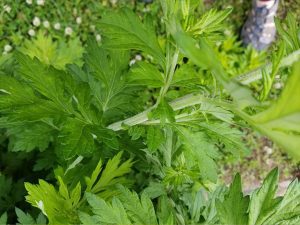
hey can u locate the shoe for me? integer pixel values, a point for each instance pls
(259, 29)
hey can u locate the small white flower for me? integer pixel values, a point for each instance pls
(7, 8)
(36, 21)
(98, 37)
(29, 2)
(68, 31)
(31, 32)
(227, 32)
(46, 24)
(57, 26)
(113, 1)
(92, 27)
(75, 12)
(146, 9)
(78, 20)
(132, 62)
(138, 57)
(40, 2)
(277, 85)
(268, 150)
(269, 162)
(7, 48)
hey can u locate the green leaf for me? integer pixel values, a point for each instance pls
(197, 206)
(165, 215)
(87, 219)
(30, 136)
(125, 31)
(107, 136)
(110, 175)
(186, 76)
(290, 32)
(139, 210)
(53, 53)
(263, 201)
(6, 192)
(155, 138)
(75, 195)
(218, 112)
(76, 138)
(203, 151)
(3, 219)
(155, 190)
(136, 132)
(14, 93)
(268, 79)
(63, 190)
(211, 22)
(57, 208)
(230, 137)
(106, 76)
(44, 79)
(233, 209)
(164, 112)
(24, 218)
(90, 181)
(203, 55)
(106, 213)
(41, 219)
(143, 73)
(281, 121)
(288, 210)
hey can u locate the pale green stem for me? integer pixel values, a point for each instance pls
(170, 74)
(257, 73)
(184, 117)
(195, 99)
(177, 104)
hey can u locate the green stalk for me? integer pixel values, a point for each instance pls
(170, 73)
(256, 74)
(196, 99)
(177, 104)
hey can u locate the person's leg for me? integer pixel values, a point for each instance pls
(259, 29)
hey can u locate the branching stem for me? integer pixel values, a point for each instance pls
(196, 99)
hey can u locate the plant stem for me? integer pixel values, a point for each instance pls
(256, 74)
(177, 104)
(170, 74)
(195, 99)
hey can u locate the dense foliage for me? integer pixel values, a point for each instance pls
(122, 141)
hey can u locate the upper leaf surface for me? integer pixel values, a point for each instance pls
(281, 121)
(203, 55)
(140, 210)
(107, 213)
(107, 70)
(144, 73)
(233, 210)
(126, 31)
(263, 200)
(202, 150)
